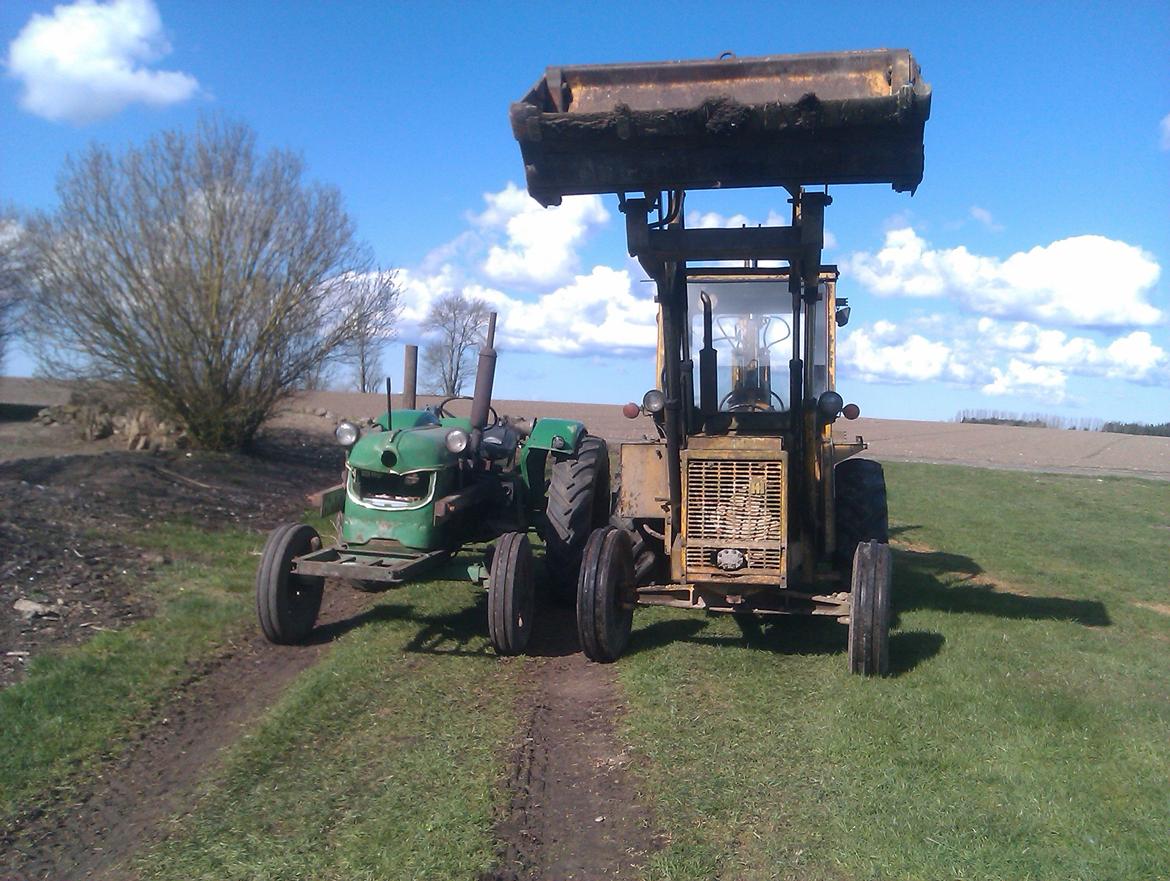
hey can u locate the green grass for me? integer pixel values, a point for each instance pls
(1023, 735)
(77, 705)
(381, 762)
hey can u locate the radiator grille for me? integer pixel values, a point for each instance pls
(735, 503)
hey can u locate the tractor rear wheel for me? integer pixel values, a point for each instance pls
(869, 618)
(605, 609)
(578, 503)
(861, 510)
(286, 603)
(510, 594)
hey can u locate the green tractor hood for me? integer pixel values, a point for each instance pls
(393, 477)
(416, 440)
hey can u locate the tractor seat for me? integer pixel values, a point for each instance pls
(499, 442)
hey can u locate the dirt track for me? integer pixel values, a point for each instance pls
(573, 811)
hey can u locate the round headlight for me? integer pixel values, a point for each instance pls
(456, 440)
(346, 433)
(829, 404)
(654, 401)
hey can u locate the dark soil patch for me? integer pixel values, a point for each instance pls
(574, 812)
(66, 534)
(92, 828)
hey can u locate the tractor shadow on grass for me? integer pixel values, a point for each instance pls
(328, 632)
(928, 579)
(464, 632)
(785, 635)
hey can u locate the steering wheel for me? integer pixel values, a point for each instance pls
(748, 406)
(441, 410)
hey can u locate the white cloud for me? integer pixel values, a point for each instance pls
(882, 354)
(540, 246)
(598, 313)
(522, 259)
(87, 61)
(1164, 132)
(1054, 284)
(997, 357)
(984, 217)
(1021, 378)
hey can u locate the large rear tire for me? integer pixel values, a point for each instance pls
(578, 503)
(510, 594)
(861, 508)
(869, 618)
(287, 604)
(605, 612)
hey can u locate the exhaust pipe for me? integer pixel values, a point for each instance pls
(410, 379)
(708, 364)
(485, 375)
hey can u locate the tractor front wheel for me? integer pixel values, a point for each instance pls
(578, 503)
(286, 603)
(860, 500)
(869, 617)
(605, 608)
(511, 594)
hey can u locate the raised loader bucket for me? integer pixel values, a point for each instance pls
(777, 120)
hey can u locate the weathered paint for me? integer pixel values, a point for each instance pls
(413, 449)
(413, 527)
(407, 419)
(546, 429)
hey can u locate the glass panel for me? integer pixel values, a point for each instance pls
(752, 334)
(820, 366)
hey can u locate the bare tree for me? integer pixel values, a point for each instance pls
(457, 324)
(13, 277)
(380, 300)
(210, 279)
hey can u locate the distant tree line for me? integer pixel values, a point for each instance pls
(1029, 420)
(1161, 430)
(1044, 420)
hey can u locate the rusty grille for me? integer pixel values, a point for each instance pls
(735, 503)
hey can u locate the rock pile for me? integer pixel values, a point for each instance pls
(98, 421)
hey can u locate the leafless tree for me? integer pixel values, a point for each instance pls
(13, 276)
(457, 325)
(380, 300)
(211, 279)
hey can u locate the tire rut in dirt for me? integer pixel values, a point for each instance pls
(92, 827)
(573, 809)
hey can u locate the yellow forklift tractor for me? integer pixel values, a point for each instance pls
(745, 504)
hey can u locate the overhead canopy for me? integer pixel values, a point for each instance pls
(777, 120)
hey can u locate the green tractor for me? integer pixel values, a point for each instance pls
(422, 483)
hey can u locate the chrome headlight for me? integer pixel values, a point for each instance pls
(654, 401)
(347, 433)
(456, 440)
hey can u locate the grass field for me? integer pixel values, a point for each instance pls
(77, 705)
(1022, 735)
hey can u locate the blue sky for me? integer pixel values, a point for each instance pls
(1028, 274)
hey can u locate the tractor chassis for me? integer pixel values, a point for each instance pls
(750, 601)
(388, 567)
